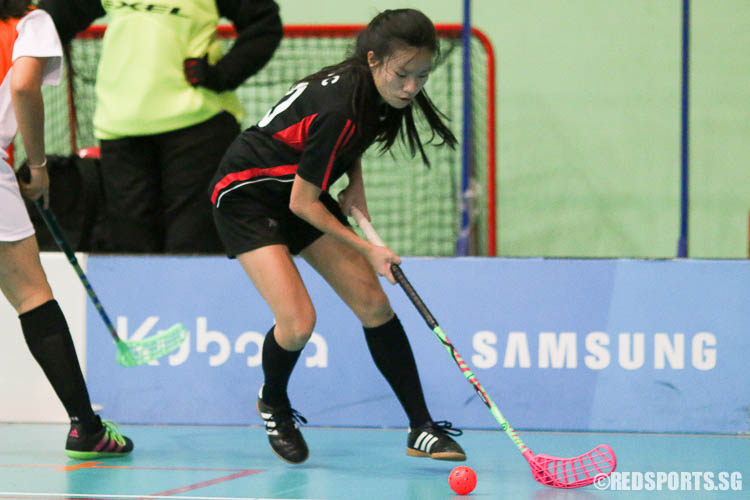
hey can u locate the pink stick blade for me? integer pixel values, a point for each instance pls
(573, 472)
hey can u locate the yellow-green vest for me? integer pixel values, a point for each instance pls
(140, 86)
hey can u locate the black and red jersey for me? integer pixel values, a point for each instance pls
(304, 134)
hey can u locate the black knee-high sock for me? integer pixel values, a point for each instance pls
(393, 356)
(278, 364)
(46, 332)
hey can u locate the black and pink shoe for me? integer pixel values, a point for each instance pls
(107, 442)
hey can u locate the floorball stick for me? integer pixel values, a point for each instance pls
(129, 352)
(556, 472)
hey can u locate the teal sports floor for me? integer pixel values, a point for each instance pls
(235, 463)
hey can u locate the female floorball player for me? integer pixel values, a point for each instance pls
(31, 56)
(271, 201)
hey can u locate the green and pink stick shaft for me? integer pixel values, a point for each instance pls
(551, 471)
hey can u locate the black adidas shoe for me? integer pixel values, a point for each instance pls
(283, 432)
(433, 440)
(107, 442)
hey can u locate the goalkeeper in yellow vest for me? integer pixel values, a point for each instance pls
(165, 109)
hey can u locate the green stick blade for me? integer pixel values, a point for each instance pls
(140, 352)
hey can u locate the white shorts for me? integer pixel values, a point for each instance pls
(15, 223)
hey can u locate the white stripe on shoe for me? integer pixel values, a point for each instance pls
(428, 444)
(270, 423)
(425, 441)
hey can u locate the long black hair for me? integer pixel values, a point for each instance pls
(13, 8)
(387, 32)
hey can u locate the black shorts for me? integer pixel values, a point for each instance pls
(242, 226)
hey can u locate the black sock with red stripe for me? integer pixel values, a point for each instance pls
(390, 348)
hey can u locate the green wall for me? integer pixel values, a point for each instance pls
(588, 95)
(720, 123)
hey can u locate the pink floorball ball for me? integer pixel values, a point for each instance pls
(462, 480)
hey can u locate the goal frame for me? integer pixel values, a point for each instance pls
(227, 31)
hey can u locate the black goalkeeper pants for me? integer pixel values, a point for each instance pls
(156, 188)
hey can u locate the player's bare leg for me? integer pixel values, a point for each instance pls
(354, 280)
(277, 279)
(22, 277)
(46, 332)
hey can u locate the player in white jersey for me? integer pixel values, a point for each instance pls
(30, 56)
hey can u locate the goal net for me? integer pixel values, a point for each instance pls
(417, 210)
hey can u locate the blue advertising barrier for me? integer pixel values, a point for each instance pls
(559, 344)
